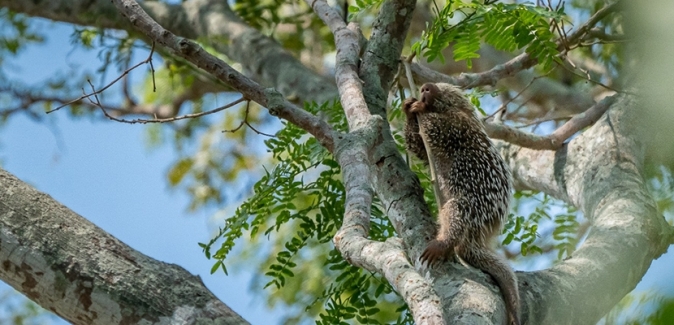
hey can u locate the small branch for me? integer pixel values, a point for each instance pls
(555, 140)
(424, 138)
(472, 80)
(582, 120)
(409, 75)
(245, 122)
(270, 98)
(126, 72)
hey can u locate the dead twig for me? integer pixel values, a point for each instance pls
(125, 73)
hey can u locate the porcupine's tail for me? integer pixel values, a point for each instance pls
(486, 260)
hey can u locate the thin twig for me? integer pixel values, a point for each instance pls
(245, 121)
(505, 105)
(549, 119)
(424, 138)
(170, 119)
(594, 81)
(259, 132)
(126, 72)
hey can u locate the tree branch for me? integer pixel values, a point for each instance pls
(600, 173)
(57, 258)
(274, 101)
(556, 139)
(578, 35)
(471, 80)
(346, 68)
(387, 258)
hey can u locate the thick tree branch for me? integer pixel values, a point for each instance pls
(556, 139)
(600, 173)
(75, 269)
(382, 53)
(388, 258)
(346, 68)
(399, 198)
(274, 101)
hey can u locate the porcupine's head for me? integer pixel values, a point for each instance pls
(441, 97)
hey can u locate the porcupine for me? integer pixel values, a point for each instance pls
(474, 184)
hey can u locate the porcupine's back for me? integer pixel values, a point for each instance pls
(467, 162)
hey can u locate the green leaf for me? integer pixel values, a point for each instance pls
(217, 265)
(179, 170)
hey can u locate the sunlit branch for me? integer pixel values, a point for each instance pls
(557, 138)
(346, 68)
(192, 52)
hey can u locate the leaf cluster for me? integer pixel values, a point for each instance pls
(506, 27)
(362, 6)
(304, 170)
(547, 214)
(15, 32)
(263, 14)
(356, 294)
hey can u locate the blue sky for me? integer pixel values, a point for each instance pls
(103, 171)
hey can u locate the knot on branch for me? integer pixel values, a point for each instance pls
(364, 136)
(187, 47)
(275, 101)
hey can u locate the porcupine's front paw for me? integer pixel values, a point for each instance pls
(407, 105)
(412, 105)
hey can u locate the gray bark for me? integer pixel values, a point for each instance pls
(83, 274)
(599, 172)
